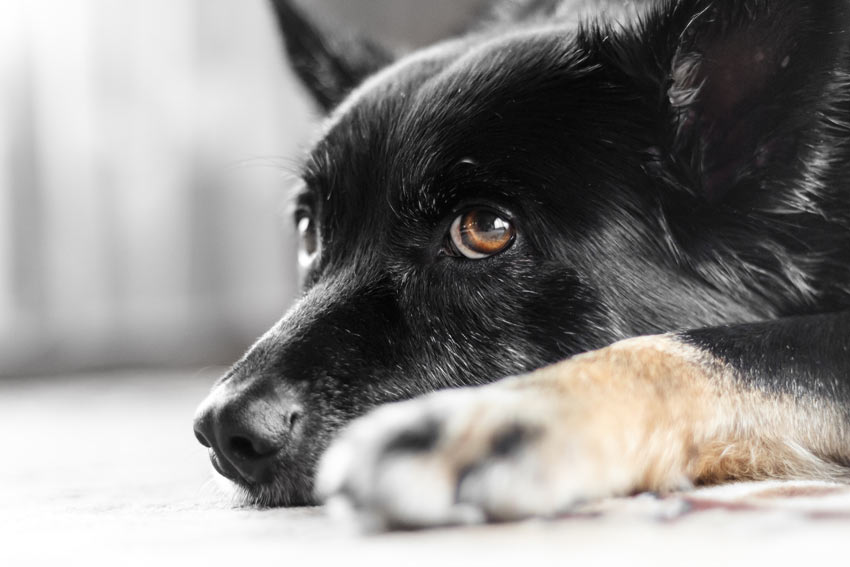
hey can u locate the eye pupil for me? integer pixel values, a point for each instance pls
(481, 233)
(480, 229)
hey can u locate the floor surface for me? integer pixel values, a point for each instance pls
(105, 470)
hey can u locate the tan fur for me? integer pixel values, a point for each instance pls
(645, 414)
(670, 413)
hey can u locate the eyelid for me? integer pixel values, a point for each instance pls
(482, 204)
(304, 207)
(302, 212)
(303, 199)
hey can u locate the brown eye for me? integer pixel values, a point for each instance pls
(308, 239)
(481, 233)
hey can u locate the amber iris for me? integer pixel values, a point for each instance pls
(481, 233)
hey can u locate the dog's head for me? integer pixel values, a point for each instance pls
(530, 190)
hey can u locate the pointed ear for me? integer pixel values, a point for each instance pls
(749, 82)
(329, 66)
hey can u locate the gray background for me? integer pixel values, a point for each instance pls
(144, 146)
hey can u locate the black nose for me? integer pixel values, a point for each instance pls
(246, 430)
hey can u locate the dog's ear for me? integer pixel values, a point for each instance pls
(747, 83)
(329, 65)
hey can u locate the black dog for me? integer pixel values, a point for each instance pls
(562, 177)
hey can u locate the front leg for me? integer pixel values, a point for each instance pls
(646, 414)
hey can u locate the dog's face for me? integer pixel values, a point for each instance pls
(486, 207)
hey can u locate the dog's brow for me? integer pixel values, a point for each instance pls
(304, 196)
(300, 196)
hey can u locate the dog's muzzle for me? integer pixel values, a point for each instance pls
(247, 426)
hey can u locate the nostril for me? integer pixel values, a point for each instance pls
(201, 438)
(245, 449)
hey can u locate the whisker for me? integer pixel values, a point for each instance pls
(289, 167)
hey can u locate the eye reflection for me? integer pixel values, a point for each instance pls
(308, 239)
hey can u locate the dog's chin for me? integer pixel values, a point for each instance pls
(278, 493)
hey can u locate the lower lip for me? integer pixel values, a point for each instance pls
(223, 469)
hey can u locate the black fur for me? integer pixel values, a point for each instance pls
(807, 356)
(668, 165)
(328, 66)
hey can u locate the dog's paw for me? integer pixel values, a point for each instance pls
(599, 425)
(428, 461)
(465, 456)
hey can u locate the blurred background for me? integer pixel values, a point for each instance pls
(143, 151)
(144, 243)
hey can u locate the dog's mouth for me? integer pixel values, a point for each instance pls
(279, 486)
(274, 494)
(224, 468)
(280, 491)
